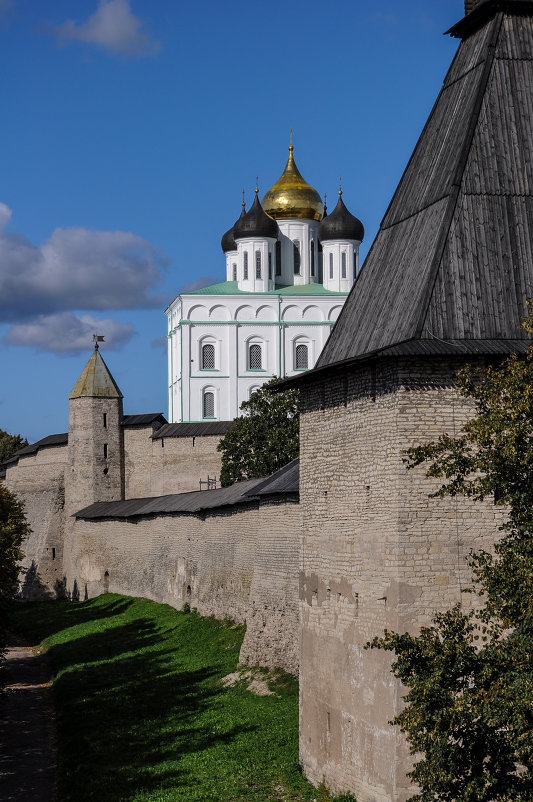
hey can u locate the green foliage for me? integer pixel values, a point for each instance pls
(264, 438)
(469, 708)
(142, 712)
(9, 443)
(13, 528)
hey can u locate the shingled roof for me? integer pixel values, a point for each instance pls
(452, 263)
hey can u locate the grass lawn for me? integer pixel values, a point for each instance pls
(142, 714)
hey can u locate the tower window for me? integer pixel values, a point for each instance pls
(302, 357)
(270, 265)
(343, 264)
(354, 264)
(278, 258)
(105, 450)
(312, 257)
(296, 245)
(331, 265)
(208, 357)
(105, 420)
(254, 358)
(209, 405)
(234, 272)
(258, 264)
(245, 256)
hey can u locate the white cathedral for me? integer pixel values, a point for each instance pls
(289, 269)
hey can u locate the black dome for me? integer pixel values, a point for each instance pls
(255, 223)
(228, 240)
(340, 224)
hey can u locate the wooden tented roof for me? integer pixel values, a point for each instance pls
(453, 259)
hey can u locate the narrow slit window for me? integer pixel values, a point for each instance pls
(209, 405)
(302, 357)
(354, 264)
(278, 258)
(343, 264)
(245, 265)
(234, 272)
(270, 265)
(258, 264)
(297, 260)
(105, 420)
(312, 257)
(208, 357)
(105, 450)
(254, 357)
(331, 265)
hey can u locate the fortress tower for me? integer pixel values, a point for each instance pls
(95, 467)
(445, 283)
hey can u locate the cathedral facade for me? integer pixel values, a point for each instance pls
(289, 269)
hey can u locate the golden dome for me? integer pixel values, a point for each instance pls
(292, 197)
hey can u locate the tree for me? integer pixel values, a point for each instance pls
(13, 529)
(469, 706)
(9, 443)
(264, 438)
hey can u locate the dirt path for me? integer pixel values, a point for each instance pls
(26, 759)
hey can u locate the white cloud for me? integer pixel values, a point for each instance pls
(76, 269)
(113, 27)
(202, 281)
(68, 333)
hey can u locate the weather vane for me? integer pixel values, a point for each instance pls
(97, 338)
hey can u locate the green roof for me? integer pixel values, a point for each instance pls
(232, 288)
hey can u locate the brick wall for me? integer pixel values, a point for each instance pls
(167, 465)
(38, 480)
(237, 562)
(376, 553)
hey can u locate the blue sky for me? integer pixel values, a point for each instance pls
(130, 128)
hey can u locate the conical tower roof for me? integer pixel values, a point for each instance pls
(95, 380)
(451, 267)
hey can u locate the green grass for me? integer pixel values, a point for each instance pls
(142, 714)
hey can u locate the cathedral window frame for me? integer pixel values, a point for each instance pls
(278, 257)
(209, 403)
(245, 265)
(252, 362)
(344, 269)
(330, 265)
(234, 271)
(258, 265)
(312, 259)
(208, 341)
(297, 256)
(296, 344)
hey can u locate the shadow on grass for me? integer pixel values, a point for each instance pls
(129, 704)
(35, 621)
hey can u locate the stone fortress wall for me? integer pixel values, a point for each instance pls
(377, 553)
(236, 561)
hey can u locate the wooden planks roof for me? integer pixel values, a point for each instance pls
(453, 259)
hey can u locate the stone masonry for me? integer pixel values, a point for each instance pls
(376, 553)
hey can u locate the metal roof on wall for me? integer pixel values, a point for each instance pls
(200, 429)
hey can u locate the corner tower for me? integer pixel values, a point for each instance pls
(445, 283)
(95, 469)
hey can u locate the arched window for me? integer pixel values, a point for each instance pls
(312, 257)
(209, 404)
(354, 264)
(343, 264)
(254, 357)
(258, 264)
(245, 257)
(270, 265)
(296, 246)
(331, 265)
(234, 272)
(208, 357)
(278, 258)
(301, 357)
